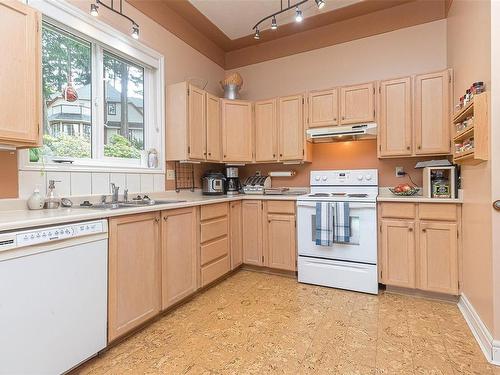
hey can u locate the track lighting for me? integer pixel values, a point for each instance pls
(274, 24)
(257, 34)
(94, 10)
(320, 3)
(298, 15)
(135, 31)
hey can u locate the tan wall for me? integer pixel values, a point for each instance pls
(468, 25)
(407, 51)
(8, 174)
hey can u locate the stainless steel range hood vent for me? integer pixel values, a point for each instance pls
(343, 133)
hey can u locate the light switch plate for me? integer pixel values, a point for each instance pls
(170, 174)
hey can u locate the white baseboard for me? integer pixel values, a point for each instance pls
(490, 347)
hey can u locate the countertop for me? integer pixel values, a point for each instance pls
(384, 195)
(14, 215)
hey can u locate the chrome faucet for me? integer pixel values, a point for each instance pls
(125, 195)
(114, 192)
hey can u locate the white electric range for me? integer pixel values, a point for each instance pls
(348, 265)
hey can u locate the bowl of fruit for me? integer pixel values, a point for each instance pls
(404, 190)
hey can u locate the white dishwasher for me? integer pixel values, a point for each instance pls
(53, 297)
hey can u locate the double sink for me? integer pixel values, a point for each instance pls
(128, 204)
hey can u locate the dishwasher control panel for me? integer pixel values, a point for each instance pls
(48, 234)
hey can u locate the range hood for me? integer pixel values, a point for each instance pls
(343, 133)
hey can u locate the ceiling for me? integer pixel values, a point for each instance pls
(236, 18)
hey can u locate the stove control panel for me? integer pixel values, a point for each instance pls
(355, 177)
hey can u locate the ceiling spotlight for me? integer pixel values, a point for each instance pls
(298, 15)
(135, 31)
(320, 3)
(94, 10)
(274, 24)
(257, 34)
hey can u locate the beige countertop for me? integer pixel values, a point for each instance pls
(384, 195)
(14, 214)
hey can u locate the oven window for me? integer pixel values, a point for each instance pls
(353, 222)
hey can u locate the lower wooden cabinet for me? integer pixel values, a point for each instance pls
(178, 255)
(252, 232)
(235, 234)
(421, 252)
(279, 242)
(134, 283)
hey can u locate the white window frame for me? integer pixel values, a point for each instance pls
(70, 18)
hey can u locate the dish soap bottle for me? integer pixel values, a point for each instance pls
(51, 201)
(36, 201)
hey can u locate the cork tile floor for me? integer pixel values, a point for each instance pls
(255, 323)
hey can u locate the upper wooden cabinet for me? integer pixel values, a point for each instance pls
(291, 128)
(395, 121)
(20, 75)
(266, 131)
(432, 113)
(357, 104)
(323, 108)
(179, 251)
(196, 123)
(237, 132)
(214, 147)
(134, 285)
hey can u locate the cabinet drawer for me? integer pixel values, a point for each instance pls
(280, 207)
(437, 211)
(398, 210)
(213, 229)
(211, 211)
(214, 250)
(215, 270)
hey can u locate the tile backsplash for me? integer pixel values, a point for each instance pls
(87, 183)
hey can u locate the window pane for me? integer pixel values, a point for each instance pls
(67, 79)
(124, 108)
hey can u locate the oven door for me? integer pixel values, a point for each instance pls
(362, 245)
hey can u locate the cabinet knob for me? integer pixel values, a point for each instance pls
(407, 147)
(410, 229)
(419, 147)
(334, 119)
(225, 156)
(165, 218)
(424, 230)
(274, 155)
(281, 155)
(209, 154)
(157, 220)
(496, 205)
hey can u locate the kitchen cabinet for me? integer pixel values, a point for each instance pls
(252, 232)
(134, 284)
(323, 108)
(197, 123)
(291, 128)
(178, 255)
(419, 246)
(432, 113)
(438, 257)
(237, 132)
(236, 233)
(214, 147)
(215, 259)
(280, 250)
(357, 104)
(397, 252)
(395, 121)
(21, 91)
(266, 131)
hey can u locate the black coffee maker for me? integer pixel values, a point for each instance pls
(232, 181)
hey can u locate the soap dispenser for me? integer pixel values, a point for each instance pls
(51, 201)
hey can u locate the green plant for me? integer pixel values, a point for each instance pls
(120, 147)
(66, 145)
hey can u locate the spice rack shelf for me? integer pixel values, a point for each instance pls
(478, 131)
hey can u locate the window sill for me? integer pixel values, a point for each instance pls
(101, 167)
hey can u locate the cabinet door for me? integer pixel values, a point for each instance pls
(237, 131)
(291, 128)
(178, 255)
(279, 242)
(432, 113)
(134, 285)
(266, 131)
(357, 104)
(395, 127)
(20, 74)
(236, 240)
(438, 258)
(197, 123)
(214, 149)
(398, 253)
(252, 232)
(323, 108)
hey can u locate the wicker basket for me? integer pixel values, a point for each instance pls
(408, 193)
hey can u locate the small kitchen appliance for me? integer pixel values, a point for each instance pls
(232, 181)
(256, 184)
(342, 204)
(213, 183)
(439, 182)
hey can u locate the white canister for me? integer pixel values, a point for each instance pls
(36, 200)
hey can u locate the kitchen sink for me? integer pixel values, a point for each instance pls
(128, 204)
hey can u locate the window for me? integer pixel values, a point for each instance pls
(103, 97)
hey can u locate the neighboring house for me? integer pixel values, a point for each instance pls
(75, 118)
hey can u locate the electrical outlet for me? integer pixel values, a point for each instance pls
(258, 173)
(400, 172)
(170, 174)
